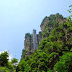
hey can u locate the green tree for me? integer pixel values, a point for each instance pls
(4, 59)
(5, 65)
(4, 69)
(65, 63)
(14, 60)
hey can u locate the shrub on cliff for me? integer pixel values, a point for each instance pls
(65, 63)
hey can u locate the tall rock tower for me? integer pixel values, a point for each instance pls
(35, 42)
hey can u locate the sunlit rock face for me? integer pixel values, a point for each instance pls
(43, 24)
(31, 42)
(27, 42)
(39, 37)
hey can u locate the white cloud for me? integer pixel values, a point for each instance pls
(2, 52)
(10, 57)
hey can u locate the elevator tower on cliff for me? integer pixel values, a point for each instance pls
(35, 42)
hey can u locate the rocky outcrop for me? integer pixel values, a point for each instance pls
(43, 24)
(28, 45)
(27, 42)
(31, 42)
(46, 28)
(39, 37)
(49, 23)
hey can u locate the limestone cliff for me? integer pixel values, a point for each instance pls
(39, 37)
(46, 21)
(55, 45)
(43, 24)
(47, 25)
(31, 42)
(28, 44)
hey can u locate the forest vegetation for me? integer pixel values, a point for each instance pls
(54, 53)
(55, 50)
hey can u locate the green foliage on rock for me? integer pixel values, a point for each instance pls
(14, 60)
(4, 69)
(65, 63)
(55, 50)
(23, 54)
(54, 21)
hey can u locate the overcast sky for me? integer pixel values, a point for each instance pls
(18, 17)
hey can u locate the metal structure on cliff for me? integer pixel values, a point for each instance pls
(35, 42)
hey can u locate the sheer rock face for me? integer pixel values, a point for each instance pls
(27, 43)
(39, 37)
(58, 18)
(43, 24)
(31, 42)
(31, 50)
(62, 20)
